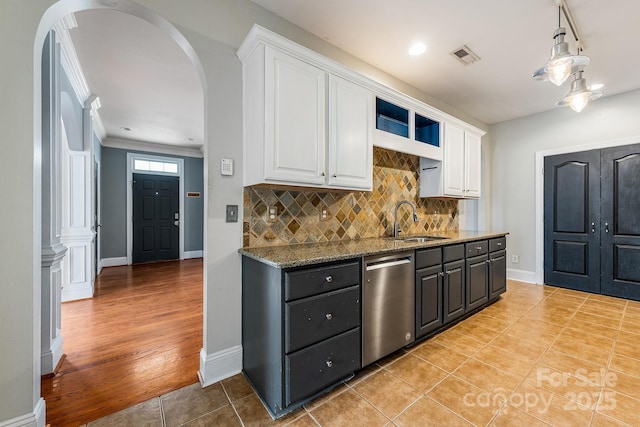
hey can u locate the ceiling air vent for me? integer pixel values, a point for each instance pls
(465, 55)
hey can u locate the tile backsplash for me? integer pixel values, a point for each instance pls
(349, 214)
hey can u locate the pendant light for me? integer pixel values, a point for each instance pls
(579, 95)
(561, 64)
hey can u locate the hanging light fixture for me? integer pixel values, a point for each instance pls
(561, 64)
(579, 95)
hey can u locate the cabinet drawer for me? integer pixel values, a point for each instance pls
(452, 253)
(313, 319)
(476, 248)
(313, 281)
(428, 257)
(497, 244)
(319, 366)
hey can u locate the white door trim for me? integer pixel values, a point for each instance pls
(130, 158)
(539, 184)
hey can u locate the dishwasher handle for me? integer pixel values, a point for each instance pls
(385, 264)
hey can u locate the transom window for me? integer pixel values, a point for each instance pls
(155, 166)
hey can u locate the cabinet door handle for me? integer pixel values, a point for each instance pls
(442, 273)
(334, 175)
(593, 227)
(329, 279)
(329, 363)
(329, 316)
(488, 261)
(322, 174)
(606, 227)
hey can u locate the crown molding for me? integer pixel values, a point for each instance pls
(71, 66)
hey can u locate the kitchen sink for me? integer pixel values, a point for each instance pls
(419, 239)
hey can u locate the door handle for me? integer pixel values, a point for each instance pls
(593, 227)
(606, 227)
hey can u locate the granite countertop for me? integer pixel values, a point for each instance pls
(287, 256)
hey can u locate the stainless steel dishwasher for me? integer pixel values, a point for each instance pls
(388, 304)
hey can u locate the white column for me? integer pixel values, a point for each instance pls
(52, 249)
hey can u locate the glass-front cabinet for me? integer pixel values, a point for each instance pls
(408, 128)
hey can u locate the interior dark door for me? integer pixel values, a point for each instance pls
(155, 218)
(572, 220)
(620, 231)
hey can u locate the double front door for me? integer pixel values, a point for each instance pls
(592, 221)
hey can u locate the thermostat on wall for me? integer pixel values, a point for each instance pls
(226, 166)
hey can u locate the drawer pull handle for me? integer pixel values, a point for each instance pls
(329, 279)
(479, 248)
(329, 363)
(329, 316)
(500, 244)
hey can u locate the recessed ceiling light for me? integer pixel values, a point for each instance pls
(417, 48)
(125, 128)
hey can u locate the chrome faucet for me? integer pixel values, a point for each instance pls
(396, 226)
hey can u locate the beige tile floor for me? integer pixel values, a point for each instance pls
(540, 356)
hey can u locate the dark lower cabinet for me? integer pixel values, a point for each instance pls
(453, 295)
(497, 274)
(300, 330)
(428, 299)
(477, 274)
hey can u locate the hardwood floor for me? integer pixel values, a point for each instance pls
(139, 337)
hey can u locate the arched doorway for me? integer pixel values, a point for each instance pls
(62, 8)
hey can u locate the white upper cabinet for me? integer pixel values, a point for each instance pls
(459, 174)
(294, 136)
(350, 157)
(309, 121)
(304, 124)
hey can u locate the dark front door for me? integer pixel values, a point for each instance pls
(572, 220)
(620, 232)
(155, 218)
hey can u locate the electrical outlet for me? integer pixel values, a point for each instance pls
(515, 259)
(272, 214)
(324, 215)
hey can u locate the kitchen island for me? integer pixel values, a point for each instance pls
(310, 311)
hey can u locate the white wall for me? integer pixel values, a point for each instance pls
(513, 147)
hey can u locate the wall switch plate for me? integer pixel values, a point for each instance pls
(272, 214)
(232, 213)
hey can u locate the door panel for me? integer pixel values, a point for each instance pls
(155, 204)
(571, 220)
(620, 233)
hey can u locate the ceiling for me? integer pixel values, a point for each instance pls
(146, 83)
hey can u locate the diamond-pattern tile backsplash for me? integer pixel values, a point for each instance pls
(350, 214)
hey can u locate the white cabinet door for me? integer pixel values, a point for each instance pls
(453, 164)
(350, 148)
(294, 120)
(472, 160)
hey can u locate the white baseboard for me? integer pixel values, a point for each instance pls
(521, 275)
(113, 262)
(35, 419)
(50, 358)
(76, 291)
(218, 366)
(192, 254)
